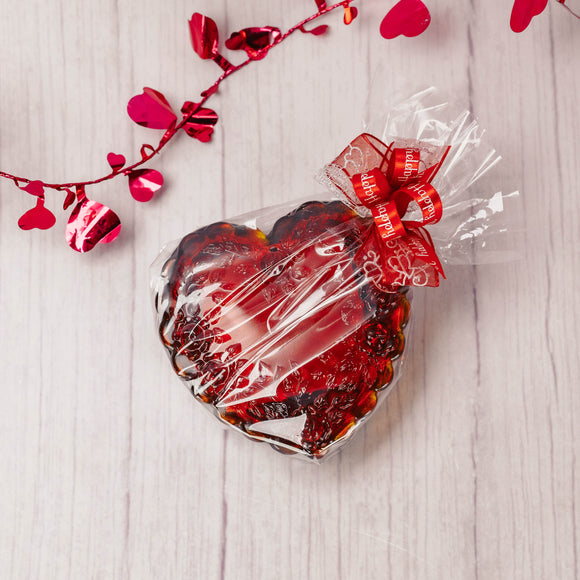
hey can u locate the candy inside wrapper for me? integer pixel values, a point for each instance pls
(290, 324)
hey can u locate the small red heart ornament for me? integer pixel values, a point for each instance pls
(523, 11)
(144, 183)
(38, 217)
(253, 40)
(204, 36)
(350, 13)
(151, 109)
(199, 124)
(116, 162)
(285, 335)
(34, 188)
(407, 18)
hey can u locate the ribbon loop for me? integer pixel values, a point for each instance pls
(371, 187)
(388, 221)
(403, 165)
(426, 197)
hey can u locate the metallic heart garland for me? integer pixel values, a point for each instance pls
(91, 222)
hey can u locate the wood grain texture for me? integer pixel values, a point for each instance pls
(111, 471)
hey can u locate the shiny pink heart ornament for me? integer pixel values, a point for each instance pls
(204, 35)
(91, 223)
(116, 161)
(199, 124)
(37, 217)
(318, 31)
(407, 17)
(144, 183)
(34, 188)
(151, 109)
(523, 11)
(254, 40)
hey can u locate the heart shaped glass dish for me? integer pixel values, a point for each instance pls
(288, 335)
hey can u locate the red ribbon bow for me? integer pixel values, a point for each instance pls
(395, 179)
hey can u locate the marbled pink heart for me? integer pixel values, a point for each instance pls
(91, 223)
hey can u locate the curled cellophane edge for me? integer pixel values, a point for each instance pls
(480, 224)
(278, 323)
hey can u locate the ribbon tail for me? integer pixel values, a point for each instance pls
(424, 248)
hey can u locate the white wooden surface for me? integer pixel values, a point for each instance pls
(110, 470)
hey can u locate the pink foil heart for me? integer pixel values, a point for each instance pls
(116, 161)
(144, 183)
(151, 109)
(69, 199)
(204, 36)
(34, 188)
(199, 125)
(253, 40)
(318, 31)
(407, 17)
(523, 11)
(91, 223)
(37, 217)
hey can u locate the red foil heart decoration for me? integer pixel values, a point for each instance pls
(286, 335)
(199, 124)
(204, 36)
(38, 217)
(116, 162)
(69, 199)
(144, 183)
(151, 109)
(523, 11)
(91, 223)
(34, 188)
(254, 40)
(407, 18)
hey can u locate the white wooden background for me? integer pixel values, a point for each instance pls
(110, 469)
